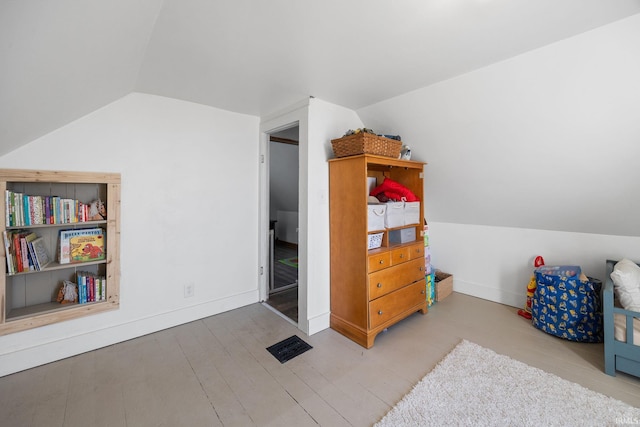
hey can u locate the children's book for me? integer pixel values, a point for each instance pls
(63, 254)
(7, 251)
(83, 244)
(31, 258)
(40, 253)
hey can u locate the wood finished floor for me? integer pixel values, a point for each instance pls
(217, 371)
(284, 298)
(286, 302)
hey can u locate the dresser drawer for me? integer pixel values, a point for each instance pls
(399, 255)
(416, 251)
(388, 280)
(379, 261)
(395, 303)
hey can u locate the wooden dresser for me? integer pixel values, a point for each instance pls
(372, 289)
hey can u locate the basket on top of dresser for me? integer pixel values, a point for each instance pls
(366, 143)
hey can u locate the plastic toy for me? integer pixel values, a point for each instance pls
(531, 288)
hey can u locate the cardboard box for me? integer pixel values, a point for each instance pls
(403, 235)
(444, 285)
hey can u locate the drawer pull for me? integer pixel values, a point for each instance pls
(421, 268)
(381, 261)
(379, 285)
(422, 292)
(401, 255)
(380, 312)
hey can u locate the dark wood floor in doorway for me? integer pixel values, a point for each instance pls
(285, 300)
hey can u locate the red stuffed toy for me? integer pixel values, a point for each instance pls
(391, 190)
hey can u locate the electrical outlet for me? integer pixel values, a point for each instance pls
(189, 290)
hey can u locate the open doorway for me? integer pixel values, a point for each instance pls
(283, 222)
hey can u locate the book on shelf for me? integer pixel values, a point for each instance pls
(81, 245)
(82, 290)
(16, 251)
(20, 253)
(62, 249)
(24, 252)
(40, 253)
(31, 256)
(91, 287)
(7, 251)
(26, 210)
(13, 209)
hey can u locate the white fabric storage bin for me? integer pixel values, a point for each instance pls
(375, 216)
(371, 184)
(394, 216)
(411, 213)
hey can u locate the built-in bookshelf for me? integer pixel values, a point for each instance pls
(42, 211)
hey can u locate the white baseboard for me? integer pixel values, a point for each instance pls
(318, 323)
(70, 346)
(498, 295)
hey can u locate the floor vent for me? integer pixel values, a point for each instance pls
(288, 349)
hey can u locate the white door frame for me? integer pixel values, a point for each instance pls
(296, 115)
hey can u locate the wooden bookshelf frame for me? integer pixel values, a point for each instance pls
(37, 315)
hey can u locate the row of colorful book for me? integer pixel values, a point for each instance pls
(91, 287)
(25, 251)
(23, 210)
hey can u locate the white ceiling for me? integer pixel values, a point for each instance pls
(63, 59)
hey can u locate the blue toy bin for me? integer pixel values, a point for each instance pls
(565, 306)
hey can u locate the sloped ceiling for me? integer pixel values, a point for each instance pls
(63, 59)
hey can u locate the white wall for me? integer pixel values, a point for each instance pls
(283, 189)
(318, 122)
(287, 226)
(536, 155)
(283, 183)
(326, 122)
(495, 263)
(189, 204)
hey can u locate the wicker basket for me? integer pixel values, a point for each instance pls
(366, 143)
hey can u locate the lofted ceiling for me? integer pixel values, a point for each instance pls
(66, 58)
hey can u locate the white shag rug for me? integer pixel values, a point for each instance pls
(475, 386)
